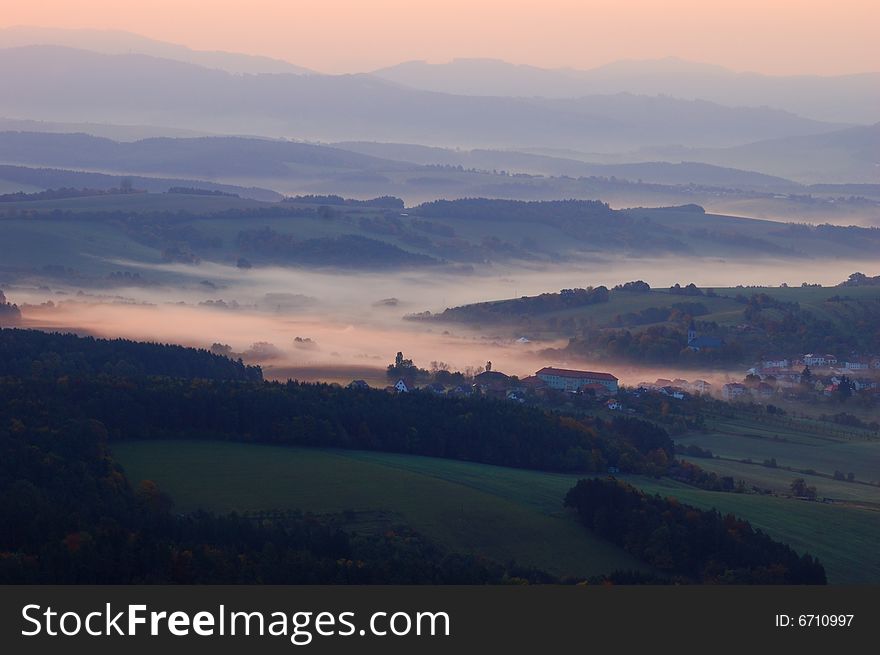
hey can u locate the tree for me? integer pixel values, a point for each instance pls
(844, 389)
(800, 489)
(402, 368)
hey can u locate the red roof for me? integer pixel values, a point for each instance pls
(569, 373)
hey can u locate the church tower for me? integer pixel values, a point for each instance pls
(692, 332)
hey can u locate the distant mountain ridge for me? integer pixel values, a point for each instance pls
(841, 98)
(853, 98)
(61, 84)
(118, 42)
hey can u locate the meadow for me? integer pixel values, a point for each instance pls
(769, 454)
(500, 512)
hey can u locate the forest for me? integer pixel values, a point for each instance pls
(687, 543)
(33, 354)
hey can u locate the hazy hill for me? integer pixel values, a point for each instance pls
(253, 166)
(106, 130)
(519, 162)
(850, 155)
(85, 238)
(118, 42)
(63, 84)
(842, 98)
(28, 179)
(204, 156)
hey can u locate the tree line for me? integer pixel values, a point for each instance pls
(30, 354)
(686, 543)
(69, 516)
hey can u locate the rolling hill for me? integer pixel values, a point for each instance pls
(89, 235)
(504, 513)
(850, 155)
(417, 174)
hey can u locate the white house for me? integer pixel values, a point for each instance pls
(733, 390)
(400, 386)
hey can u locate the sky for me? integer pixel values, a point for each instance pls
(338, 36)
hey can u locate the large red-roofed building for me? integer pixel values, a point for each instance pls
(566, 379)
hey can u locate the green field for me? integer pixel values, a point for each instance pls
(798, 450)
(503, 513)
(722, 308)
(801, 447)
(463, 508)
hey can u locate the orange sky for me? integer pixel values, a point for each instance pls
(771, 36)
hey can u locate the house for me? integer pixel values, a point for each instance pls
(700, 386)
(733, 390)
(788, 375)
(764, 390)
(460, 390)
(595, 389)
(672, 392)
(819, 361)
(775, 362)
(533, 383)
(358, 384)
(400, 386)
(565, 379)
(492, 381)
(613, 405)
(857, 364)
(698, 343)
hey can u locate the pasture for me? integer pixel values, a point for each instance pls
(500, 512)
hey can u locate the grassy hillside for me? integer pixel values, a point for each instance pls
(504, 513)
(721, 308)
(459, 506)
(146, 227)
(742, 448)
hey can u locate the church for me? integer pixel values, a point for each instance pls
(698, 343)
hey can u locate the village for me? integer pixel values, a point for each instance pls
(808, 377)
(809, 374)
(495, 384)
